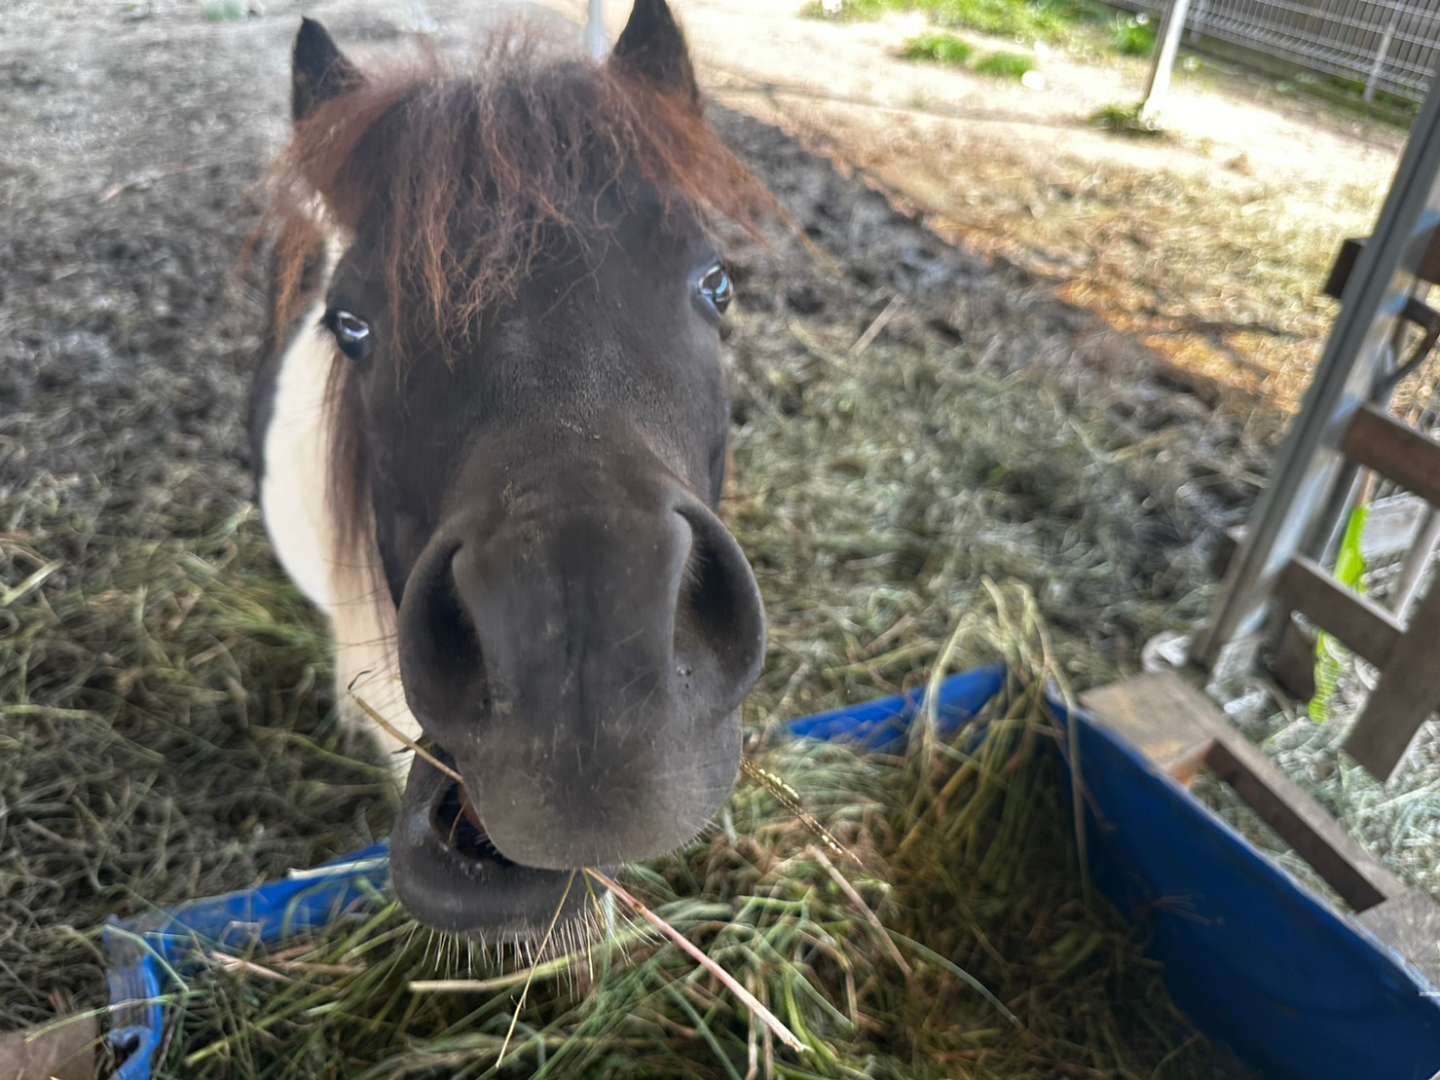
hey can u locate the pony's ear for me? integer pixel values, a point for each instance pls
(652, 48)
(319, 70)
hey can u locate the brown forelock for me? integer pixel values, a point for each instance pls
(460, 177)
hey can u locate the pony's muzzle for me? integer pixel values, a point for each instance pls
(583, 665)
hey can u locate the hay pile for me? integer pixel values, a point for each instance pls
(963, 946)
(164, 733)
(950, 935)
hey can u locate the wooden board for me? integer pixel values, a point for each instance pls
(1177, 713)
(1365, 627)
(1410, 924)
(63, 1051)
(1134, 709)
(1407, 693)
(1378, 441)
(1303, 823)
(1428, 269)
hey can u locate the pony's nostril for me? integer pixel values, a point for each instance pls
(708, 594)
(441, 663)
(452, 631)
(447, 631)
(719, 622)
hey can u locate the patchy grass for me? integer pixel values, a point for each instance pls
(1005, 65)
(849, 10)
(947, 49)
(1133, 35)
(225, 10)
(1354, 89)
(939, 48)
(1126, 120)
(1027, 21)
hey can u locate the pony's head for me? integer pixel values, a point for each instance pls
(530, 421)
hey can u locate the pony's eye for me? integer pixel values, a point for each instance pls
(352, 333)
(715, 286)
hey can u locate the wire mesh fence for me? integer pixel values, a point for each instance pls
(1390, 46)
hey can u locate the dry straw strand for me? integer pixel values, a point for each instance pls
(750, 1001)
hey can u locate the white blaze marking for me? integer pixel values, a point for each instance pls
(346, 586)
(292, 493)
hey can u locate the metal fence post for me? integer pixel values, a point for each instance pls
(1198, 22)
(595, 40)
(1383, 50)
(1172, 25)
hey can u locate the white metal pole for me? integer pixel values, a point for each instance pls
(1172, 25)
(596, 43)
(1201, 9)
(1383, 50)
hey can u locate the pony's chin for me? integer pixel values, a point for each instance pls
(451, 878)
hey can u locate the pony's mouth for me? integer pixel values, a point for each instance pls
(457, 820)
(451, 876)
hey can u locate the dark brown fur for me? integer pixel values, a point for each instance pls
(529, 426)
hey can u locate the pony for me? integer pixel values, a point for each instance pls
(489, 432)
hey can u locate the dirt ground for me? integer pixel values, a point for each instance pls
(1209, 245)
(938, 394)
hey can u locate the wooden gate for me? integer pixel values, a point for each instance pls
(1408, 656)
(1344, 428)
